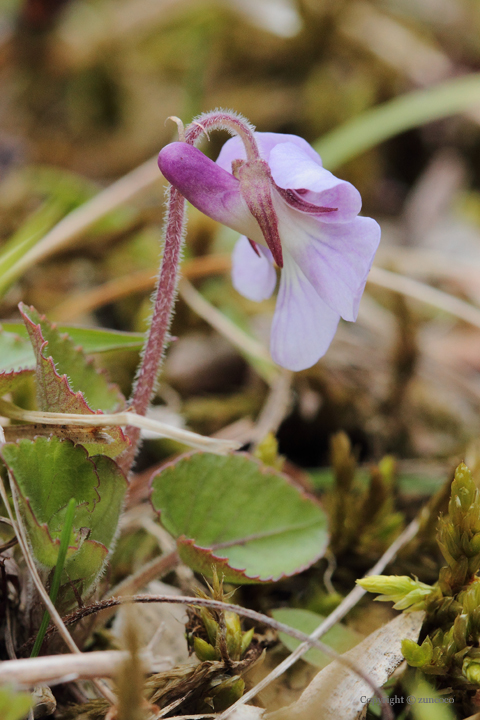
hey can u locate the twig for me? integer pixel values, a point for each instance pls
(122, 419)
(345, 606)
(244, 612)
(48, 668)
(155, 569)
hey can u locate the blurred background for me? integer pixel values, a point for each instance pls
(86, 88)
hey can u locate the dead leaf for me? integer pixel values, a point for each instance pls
(337, 692)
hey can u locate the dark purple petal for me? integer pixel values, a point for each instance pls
(303, 325)
(209, 188)
(293, 169)
(253, 275)
(295, 200)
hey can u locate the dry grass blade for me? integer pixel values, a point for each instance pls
(123, 419)
(276, 407)
(334, 690)
(226, 327)
(83, 217)
(426, 294)
(51, 668)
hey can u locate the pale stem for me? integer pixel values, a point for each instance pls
(66, 668)
(125, 419)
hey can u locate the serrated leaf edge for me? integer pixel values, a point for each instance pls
(77, 348)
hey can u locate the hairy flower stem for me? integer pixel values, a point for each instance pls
(221, 120)
(157, 337)
(166, 289)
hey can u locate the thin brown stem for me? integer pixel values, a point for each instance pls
(243, 612)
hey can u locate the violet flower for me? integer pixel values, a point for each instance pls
(290, 212)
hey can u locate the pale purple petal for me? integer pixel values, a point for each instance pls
(234, 149)
(336, 258)
(292, 168)
(209, 188)
(303, 325)
(253, 276)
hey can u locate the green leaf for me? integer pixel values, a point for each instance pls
(83, 569)
(82, 375)
(248, 520)
(16, 350)
(90, 340)
(10, 381)
(339, 637)
(64, 376)
(14, 705)
(48, 472)
(398, 115)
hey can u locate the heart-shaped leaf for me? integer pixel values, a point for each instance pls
(248, 520)
(56, 392)
(48, 472)
(340, 637)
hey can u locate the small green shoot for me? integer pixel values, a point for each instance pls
(62, 554)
